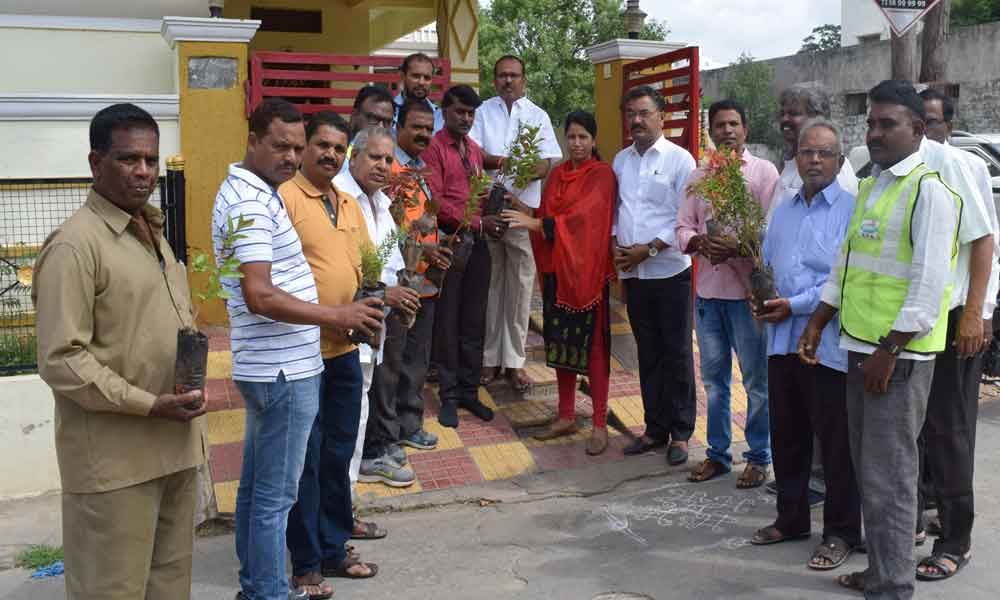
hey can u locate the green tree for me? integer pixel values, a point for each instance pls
(550, 37)
(750, 83)
(824, 37)
(974, 12)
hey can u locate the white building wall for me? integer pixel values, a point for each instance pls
(59, 71)
(861, 18)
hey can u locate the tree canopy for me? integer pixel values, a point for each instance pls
(749, 83)
(550, 37)
(824, 37)
(974, 12)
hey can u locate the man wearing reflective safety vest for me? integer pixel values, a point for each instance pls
(891, 285)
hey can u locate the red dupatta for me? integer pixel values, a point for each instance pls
(581, 203)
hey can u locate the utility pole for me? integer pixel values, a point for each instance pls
(934, 52)
(905, 57)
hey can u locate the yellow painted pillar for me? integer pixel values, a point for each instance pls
(608, 59)
(458, 39)
(211, 73)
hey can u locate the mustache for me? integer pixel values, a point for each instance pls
(329, 161)
(420, 139)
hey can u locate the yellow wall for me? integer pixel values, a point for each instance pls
(345, 29)
(213, 134)
(607, 99)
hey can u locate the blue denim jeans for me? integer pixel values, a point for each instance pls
(321, 520)
(724, 326)
(279, 417)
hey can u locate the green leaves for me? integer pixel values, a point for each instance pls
(373, 258)
(522, 156)
(227, 266)
(749, 82)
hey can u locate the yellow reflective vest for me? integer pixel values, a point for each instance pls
(879, 253)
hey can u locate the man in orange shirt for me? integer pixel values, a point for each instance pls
(331, 227)
(397, 406)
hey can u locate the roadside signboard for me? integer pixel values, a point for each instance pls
(904, 14)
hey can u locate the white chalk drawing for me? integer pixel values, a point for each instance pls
(685, 508)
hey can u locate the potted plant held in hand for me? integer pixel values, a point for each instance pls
(404, 191)
(737, 218)
(373, 259)
(192, 345)
(461, 242)
(517, 170)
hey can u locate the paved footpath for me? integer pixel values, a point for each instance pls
(578, 534)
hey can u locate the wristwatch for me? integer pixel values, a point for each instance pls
(653, 250)
(888, 346)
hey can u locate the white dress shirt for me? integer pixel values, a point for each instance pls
(960, 171)
(650, 189)
(495, 129)
(380, 226)
(932, 228)
(790, 183)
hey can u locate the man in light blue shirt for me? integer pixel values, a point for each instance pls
(415, 75)
(801, 246)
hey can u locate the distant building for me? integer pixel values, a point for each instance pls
(861, 22)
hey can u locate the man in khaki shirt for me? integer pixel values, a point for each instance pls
(110, 297)
(332, 228)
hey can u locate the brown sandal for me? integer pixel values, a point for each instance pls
(598, 441)
(853, 581)
(753, 475)
(557, 430)
(314, 585)
(366, 530)
(518, 380)
(343, 569)
(707, 469)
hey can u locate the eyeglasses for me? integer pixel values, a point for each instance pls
(809, 154)
(642, 114)
(375, 120)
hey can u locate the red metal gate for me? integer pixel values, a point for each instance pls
(315, 82)
(682, 90)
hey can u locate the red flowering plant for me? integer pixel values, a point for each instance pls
(736, 215)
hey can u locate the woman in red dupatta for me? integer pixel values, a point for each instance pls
(570, 236)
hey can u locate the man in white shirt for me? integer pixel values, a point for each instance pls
(891, 287)
(368, 172)
(513, 264)
(655, 274)
(798, 104)
(947, 441)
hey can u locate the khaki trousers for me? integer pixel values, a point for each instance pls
(512, 278)
(131, 543)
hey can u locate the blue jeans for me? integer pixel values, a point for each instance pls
(321, 521)
(724, 326)
(279, 416)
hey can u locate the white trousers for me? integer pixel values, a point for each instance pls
(367, 369)
(512, 278)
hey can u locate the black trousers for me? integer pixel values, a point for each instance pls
(661, 317)
(804, 401)
(459, 327)
(948, 442)
(395, 403)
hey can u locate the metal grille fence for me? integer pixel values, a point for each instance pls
(30, 209)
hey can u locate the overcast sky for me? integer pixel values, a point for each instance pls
(725, 28)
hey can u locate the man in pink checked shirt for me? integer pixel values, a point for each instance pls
(723, 321)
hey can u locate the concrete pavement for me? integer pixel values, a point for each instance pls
(628, 527)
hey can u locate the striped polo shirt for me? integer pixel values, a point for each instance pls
(263, 348)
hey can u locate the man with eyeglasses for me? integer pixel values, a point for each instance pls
(947, 440)
(655, 273)
(373, 107)
(512, 260)
(809, 400)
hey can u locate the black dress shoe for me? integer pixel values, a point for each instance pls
(478, 409)
(448, 415)
(643, 445)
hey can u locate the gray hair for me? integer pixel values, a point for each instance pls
(826, 124)
(813, 99)
(360, 144)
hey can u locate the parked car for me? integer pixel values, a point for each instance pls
(984, 145)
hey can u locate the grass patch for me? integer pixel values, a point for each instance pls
(36, 557)
(17, 353)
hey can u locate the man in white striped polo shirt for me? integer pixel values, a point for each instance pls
(274, 319)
